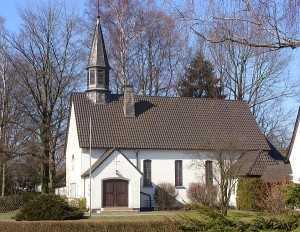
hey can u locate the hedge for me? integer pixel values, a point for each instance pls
(248, 192)
(91, 226)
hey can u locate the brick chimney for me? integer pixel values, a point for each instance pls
(128, 106)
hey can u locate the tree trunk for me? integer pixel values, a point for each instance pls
(3, 178)
(52, 172)
(45, 177)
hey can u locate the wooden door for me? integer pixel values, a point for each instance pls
(115, 193)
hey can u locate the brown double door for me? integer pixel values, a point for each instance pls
(115, 193)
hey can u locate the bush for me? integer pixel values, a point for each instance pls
(248, 191)
(272, 198)
(48, 207)
(79, 203)
(165, 196)
(206, 195)
(211, 220)
(291, 194)
(87, 225)
(286, 223)
(207, 220)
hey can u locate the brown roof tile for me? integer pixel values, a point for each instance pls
(168, 123)
(279, 173)
(254, 163)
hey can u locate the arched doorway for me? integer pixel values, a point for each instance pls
(115, 193)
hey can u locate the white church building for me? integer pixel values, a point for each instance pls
(120, 147)
(294, 151)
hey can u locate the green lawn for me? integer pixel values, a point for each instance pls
(234, 214)
(8, 215)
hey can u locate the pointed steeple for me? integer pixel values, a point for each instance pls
(98, 69)
(98, 56)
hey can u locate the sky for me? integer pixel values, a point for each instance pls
(8, 10)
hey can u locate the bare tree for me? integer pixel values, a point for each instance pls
(218, 165)
(11, 136)
(274, 22)
(160, 54)
(256, 75)
(145, 45)
(47, 61)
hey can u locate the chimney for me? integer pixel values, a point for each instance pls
(128, 106)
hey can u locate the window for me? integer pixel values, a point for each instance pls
(208, 173)
(178, 173)
(72, 190)
(100, 77)
(73, 162)
(92, 76)
(147, 173)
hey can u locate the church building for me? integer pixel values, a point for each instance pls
(120, 147)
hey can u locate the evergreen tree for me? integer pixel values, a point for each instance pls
(200, 80)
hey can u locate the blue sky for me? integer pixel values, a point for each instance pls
(8, 10)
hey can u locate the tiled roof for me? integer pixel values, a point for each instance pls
(254, 163)
(278, 173)
(168, 123)
(98, 56)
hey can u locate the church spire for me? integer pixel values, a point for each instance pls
(98, 56)
(98, 68)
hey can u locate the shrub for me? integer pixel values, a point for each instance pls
(248, 191)
(272, 198)
(207, 220)
(204, 194)
(165, 196)
(87, 225)
(48, 207)
(291, 194)
(79, 203)
(286, 223)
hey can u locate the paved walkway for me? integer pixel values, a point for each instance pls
(143, 213)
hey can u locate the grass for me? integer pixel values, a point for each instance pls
(8, 215)
(245, 216)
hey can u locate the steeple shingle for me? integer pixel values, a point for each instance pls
(98, 56)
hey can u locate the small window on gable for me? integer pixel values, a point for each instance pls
(147, 173)
(92, 76)
(178, 173)
(73, 162)
(208, 173)
(100, 77)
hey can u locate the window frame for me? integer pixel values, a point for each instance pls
(100, 76)
(209, 173)
(147, 177)
(92, 77)
(178, 173)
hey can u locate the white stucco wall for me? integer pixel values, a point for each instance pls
(162, 169)
(73, 160)
(109, 169)
(295, 157)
